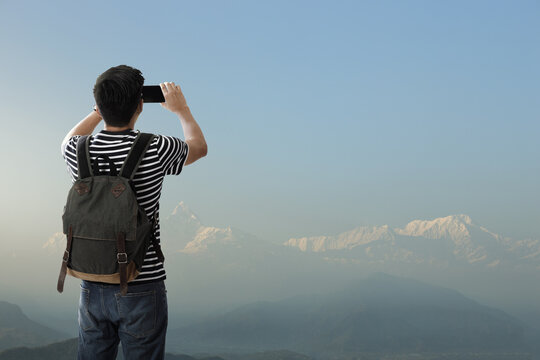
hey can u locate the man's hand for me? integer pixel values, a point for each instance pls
(174, 99)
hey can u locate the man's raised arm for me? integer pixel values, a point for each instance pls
(176, 103)
(85, 127)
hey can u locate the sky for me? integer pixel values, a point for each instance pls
(320, 116)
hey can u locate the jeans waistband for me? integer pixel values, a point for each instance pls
(117, 286)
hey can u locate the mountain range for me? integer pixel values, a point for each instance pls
(441, 242)
(212, 267)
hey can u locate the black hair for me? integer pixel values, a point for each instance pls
(118, 92)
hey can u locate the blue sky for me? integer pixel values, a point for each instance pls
(319, 116)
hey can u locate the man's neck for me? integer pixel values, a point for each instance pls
(129, 126)
(116, 128)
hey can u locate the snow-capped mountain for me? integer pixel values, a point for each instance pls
(182, 225)
(441, 241)
(183, 232)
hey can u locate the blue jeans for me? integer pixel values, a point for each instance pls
(138, 320)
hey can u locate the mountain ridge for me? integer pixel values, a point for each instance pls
(451, 238)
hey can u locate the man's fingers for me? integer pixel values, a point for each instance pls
(173, 86)
(169, 88)
(164, 88)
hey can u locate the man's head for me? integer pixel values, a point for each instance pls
(118, 93)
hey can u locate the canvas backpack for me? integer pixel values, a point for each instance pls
(107, 231)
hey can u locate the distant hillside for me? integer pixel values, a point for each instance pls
(267, 355)
(67, 350)
(16, 329)
(380, 314)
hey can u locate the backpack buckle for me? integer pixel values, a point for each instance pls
(122, 258)
(65, 258)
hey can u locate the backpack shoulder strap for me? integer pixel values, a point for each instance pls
(136, 154)
(83, 157)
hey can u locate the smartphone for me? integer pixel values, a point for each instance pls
(152, 94)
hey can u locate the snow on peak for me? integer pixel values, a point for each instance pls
(183, 211)
(209, 236)
(453, 226)
(359, 236)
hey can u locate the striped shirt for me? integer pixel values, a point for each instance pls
(165, 156)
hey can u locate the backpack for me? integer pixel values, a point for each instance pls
(108, 233)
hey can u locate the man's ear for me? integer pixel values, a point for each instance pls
(97, 110)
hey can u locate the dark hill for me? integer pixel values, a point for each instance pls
(16, 329)
(67, 350)
(379, 314)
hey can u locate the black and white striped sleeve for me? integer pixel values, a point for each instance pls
(173, 153)
(69, 152)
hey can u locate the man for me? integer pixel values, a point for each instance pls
(138, 319)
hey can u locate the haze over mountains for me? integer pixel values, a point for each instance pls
(453, 251)
(381, 315)
(212, 272)
(438, 242)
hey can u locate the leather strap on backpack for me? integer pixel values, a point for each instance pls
(65, 259)
(121, 257)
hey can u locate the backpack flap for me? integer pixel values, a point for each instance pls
(105, 207)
